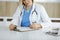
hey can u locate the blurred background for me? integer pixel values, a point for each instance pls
(8, 8)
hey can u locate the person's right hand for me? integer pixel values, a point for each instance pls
(12, 27)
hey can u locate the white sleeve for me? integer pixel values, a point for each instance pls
(16, 17)
(45, 18)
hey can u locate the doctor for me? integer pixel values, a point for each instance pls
(32, 15)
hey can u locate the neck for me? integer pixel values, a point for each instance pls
(28, 7)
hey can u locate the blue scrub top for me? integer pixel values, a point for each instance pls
(25, 19)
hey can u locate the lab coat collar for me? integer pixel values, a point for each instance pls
(32, 8)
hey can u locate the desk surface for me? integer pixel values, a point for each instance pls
(6, 34)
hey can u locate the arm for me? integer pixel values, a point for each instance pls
(44, 18)
(14, 22)
(46, 21)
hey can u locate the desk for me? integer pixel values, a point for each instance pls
(6, 34)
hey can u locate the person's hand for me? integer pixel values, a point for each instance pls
(35, 26)
(12, 27)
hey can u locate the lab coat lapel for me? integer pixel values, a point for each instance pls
(31, 14)
(21, 14)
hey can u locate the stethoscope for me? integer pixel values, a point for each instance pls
(32, 12)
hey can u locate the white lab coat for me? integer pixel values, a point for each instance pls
(42, 17)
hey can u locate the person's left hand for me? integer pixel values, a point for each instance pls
(35, 26)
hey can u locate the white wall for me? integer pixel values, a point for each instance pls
(47, 0)
(10, 0)
(36, 0)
